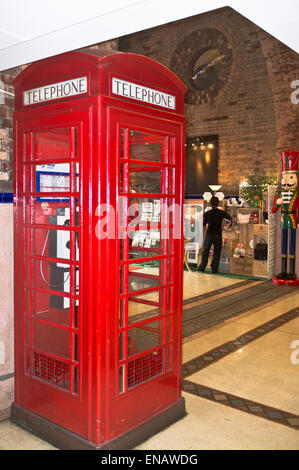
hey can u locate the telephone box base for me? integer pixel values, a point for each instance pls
(285, 282)
(66, 440)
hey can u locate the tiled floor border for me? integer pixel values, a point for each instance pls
(213, 293)
(257, 409)
(242, 404)
(218, 353)
(204, 315)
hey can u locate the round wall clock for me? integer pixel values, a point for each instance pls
(204, 61)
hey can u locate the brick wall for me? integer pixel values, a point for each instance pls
(283, 69)
(250, 110)
(6, 128)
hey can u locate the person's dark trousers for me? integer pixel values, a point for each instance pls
(210, 240)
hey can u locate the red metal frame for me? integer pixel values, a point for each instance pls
(89, 367)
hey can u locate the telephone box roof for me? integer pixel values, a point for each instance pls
(100, 66)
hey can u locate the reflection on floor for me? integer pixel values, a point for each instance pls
(241, 379)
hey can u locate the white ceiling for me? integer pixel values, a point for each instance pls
(34, 29)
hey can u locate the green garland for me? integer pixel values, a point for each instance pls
(257, 185)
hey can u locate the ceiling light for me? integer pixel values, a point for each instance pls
(215, 187)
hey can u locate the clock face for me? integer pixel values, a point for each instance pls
(204, 61)
(206, 69)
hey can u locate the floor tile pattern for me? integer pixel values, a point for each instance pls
(200, 362)
(202, 317)
(213, 293)
(242, 404)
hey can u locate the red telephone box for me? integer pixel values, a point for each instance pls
(99, 165)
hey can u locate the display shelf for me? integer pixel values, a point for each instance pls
(260, 234)
(242, 266)
(246, 232)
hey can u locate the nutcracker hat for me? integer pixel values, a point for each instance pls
(290, 160)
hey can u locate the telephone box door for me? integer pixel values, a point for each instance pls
(145, 354)
(51, 335)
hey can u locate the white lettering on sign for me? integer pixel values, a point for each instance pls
(76, 86)
(142, 93)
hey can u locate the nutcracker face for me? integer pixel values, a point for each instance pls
(289, 180)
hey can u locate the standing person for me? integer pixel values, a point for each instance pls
(214, 219)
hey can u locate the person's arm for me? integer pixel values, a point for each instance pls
(205, 219)
(227, 216)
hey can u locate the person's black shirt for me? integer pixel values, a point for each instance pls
(214, 218)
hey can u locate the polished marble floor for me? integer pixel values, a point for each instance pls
(264, 371)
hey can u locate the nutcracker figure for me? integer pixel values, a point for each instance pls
(288, 200)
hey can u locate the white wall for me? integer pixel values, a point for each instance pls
(29, 31)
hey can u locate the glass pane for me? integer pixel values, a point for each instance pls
(144, 210)
(135, 254)
(51, 178)
(76, 212)
(51, 340)
(48, 242)
(122, 313)
(50, 275)
(51, 144)
(74, 305)
(75, 380)
(144, 306)
(121, 342)
(142, 242)
(145, 337)
(75, 347)
(143, 179)
(146, 147)
(47, 213)
(144, 276)
(52, 308)
(145, 313)
(27, 362)
(121, 379)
